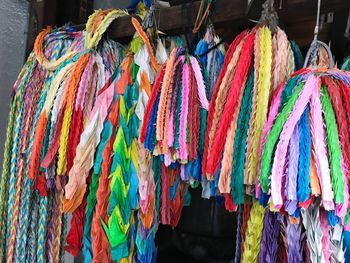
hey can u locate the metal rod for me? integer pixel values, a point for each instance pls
(317, 27)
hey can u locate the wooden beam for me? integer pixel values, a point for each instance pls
(229, 14)
(176, 18)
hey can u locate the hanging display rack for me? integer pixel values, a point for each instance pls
(223, 11)
(223, 14)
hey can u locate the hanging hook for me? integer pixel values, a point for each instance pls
(313, 51)
(269, 15)
(149, 21)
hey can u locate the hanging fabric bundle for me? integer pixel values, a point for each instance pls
(53, 96)
(255, 65)
(112, 130)
(133, 221)
(303, 164)
(304, 156)
(148, 181)
(256, 62)
(19, 204)
(173, 128)
(96, 26)
(211, 52)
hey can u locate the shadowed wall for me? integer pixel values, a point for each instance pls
(13, 37)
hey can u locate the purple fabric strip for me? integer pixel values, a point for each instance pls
(292, 172)
(183, 173)
(294, 239)
(342, 76)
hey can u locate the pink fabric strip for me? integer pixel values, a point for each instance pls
(274, 106)
(184, 112)
(83, 160)
(200, 83)
(282, 146)
(171, 128)
(319, 148)
(103, 101)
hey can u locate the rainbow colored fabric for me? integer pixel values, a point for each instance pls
(116, 136)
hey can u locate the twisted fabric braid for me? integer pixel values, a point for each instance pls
(30, 107)
(59, 198)
(22, 233)
(93, 38)
(253, 234)
(63, 236)
(263, 93)
(33, 230)
(16, 116)
(11, 198)
(40, 56)
(257, 49)
(72, 86)
(240, 75)
(212, 105)
(40, 253)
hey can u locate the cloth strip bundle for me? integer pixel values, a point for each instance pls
(122, 226)
(256, 62)
(23, 211)
(173, 129)
(211, 55)
(91, 109)
(53, 97)
(81, 87)
(304, 160)
(115, 137)
(121, 217)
